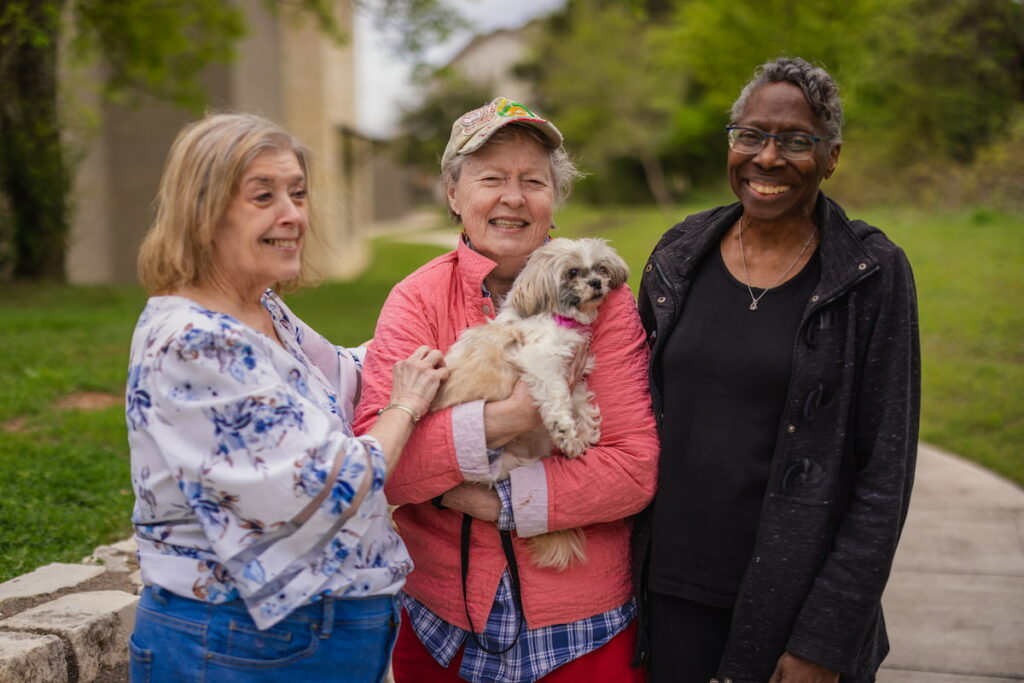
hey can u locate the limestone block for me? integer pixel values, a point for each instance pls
(111, 559)
(128, 546)
(117, 557)
(94, 625)
(29, 658)
(47, 579)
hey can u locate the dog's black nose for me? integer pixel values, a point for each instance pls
(595, 283)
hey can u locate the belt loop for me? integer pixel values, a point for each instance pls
(328, 615)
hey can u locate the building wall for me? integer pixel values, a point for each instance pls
(489, 60)
(287, 72)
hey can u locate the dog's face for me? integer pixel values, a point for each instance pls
(568, 277)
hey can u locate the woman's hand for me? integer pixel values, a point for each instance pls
(793, 669)
(476, 500)
(416, 379)
(506, 419)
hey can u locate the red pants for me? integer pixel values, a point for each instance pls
(412, 663)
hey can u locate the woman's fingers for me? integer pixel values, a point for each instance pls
(431, 357)
(417, 378)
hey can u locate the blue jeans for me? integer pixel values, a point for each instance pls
(179, 639)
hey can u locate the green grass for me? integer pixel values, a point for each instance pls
(969, 269)
(64, 481)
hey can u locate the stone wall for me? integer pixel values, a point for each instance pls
(70, 622)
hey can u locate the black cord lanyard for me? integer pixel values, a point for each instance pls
(513, 569)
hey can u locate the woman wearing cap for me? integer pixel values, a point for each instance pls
(504, 170)
(263, 532)
(786, 381)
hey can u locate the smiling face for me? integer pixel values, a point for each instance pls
(259, 240)
(505, 196)
(769, 187)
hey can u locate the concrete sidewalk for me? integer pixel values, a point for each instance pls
(954, 605)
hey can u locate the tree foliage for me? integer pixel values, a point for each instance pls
(33, 174)
(427, 127)
(607, 91)
(152, 47)
(940, 77)
(935, 80)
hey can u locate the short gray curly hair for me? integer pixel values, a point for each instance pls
(818, 87)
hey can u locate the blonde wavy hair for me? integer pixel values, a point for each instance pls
(201, 176)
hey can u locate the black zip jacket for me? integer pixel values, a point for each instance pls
(843, 465)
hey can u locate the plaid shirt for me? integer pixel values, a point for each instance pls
(536, 653)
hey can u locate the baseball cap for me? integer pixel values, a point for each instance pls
(474, 128)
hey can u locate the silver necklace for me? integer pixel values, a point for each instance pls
(746, 276)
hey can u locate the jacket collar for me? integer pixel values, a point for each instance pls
(844, 259)
(473, 267)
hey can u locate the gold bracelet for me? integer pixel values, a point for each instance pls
(402, 406)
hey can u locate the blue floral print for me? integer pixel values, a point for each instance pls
(137, 401)
(232, 436)
(220, 344)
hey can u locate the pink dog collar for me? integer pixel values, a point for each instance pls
(570, 323)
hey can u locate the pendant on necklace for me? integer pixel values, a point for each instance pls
(753, 305)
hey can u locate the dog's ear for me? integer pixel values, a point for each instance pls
(604, 255)
(535, 290)
(616, 267)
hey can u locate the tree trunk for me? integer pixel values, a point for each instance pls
(656, 179)
(33, 174)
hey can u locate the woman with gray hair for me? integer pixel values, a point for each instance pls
(785, 375)
(478, 608)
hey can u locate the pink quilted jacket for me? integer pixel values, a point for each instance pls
(597, 491)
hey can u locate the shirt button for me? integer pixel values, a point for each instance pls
(654, 334)
(661, 299)
(486, 309)
(648, 268)
(791, 428)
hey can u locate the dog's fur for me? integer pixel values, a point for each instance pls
(568, 278)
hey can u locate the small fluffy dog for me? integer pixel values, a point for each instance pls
(544, 324)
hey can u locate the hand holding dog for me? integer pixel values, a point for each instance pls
(506, 419)
(416, 379)
(475, 500)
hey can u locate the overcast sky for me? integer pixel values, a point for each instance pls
(383, 82)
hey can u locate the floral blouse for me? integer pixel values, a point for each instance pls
(231, 437)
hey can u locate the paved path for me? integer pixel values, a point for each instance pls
(955, 601)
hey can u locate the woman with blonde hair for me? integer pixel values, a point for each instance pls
(264, 537)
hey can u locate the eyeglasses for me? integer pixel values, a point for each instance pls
(792, 146)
